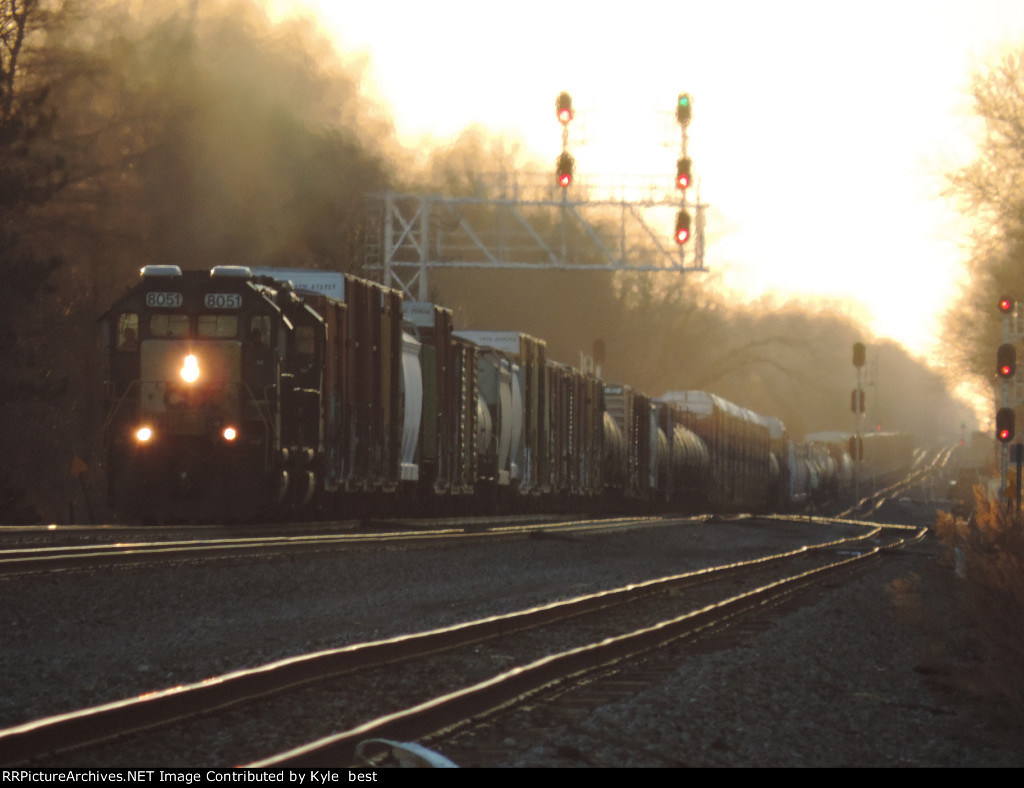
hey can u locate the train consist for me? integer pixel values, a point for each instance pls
(237, 394)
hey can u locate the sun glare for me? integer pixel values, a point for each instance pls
(810, 193)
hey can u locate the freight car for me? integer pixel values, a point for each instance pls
(237, 393)
(885, 457)
(744, 473)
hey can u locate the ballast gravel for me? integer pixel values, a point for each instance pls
(880, 669)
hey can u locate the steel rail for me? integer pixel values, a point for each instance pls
(512, 687)
(59, 558)
(872, 503)
(106, 721)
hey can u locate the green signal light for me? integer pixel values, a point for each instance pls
(684, 108)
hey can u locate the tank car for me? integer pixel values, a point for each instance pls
(739, 449)
(544, 436)
(446, 446)
(689, 463)
(886, 457)
(791, 487)
(654, 459)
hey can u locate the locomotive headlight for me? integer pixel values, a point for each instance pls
(143, 434)
(230, 433)
(190, 370)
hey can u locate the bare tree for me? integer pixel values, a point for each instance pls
(990, 190)
(29, 173)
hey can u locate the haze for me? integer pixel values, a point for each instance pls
(200, 134)
(820, 134)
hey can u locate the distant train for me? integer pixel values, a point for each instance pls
(237, 394)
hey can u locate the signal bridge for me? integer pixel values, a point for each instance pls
(526, 221)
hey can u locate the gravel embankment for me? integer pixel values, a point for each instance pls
(80, 638)
(882, 670)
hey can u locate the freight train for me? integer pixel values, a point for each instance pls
(238, 393)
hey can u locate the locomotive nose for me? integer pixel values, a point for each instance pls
(185, 482)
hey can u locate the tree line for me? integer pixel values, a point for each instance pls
(206, 134)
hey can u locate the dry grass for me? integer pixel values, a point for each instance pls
(987, 551)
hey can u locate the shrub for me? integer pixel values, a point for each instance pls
(988, 554)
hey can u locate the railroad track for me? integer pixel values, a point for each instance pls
(334, 689)
(925, 466)
(59, 558)
(62, 557)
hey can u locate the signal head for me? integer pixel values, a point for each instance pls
(682, 227)
(565, 167)
(1005, 305)
(684, 173)
(859, 354)
(1006, 361)
(563, 108)
(684, 109)
(1005, 425)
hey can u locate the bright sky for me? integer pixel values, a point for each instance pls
(820, 130)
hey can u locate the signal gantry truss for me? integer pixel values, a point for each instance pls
(515, 227)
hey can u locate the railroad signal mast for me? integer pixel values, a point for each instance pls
(565, 165)
(857, 406)
(684, 171)
(690, 222)
(1010, 395)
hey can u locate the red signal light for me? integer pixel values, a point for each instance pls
(563, 108)
(684, 173)
(1005, 305)
(1005, 424)
(565, 166)
(682, 227)
(1006, 361)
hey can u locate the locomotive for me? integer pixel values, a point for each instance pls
(239, 393)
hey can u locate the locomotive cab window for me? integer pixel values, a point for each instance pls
(168, 326)
(128, 332)
(218, 326)
(305, 340)
(259, 331)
